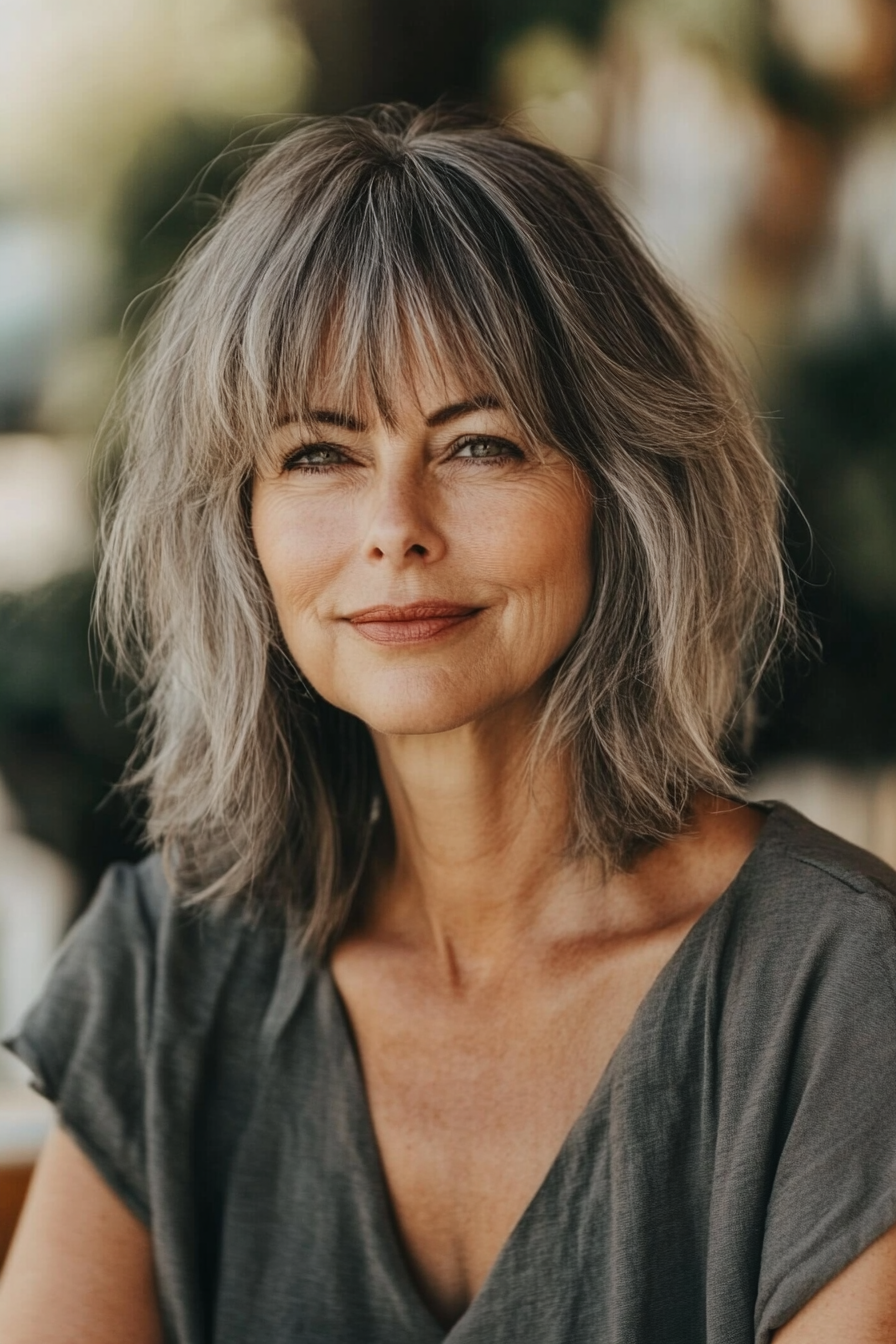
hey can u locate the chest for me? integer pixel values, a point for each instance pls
(472, 1099)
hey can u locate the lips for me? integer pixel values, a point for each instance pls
(411, 624)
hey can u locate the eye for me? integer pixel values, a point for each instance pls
(486, 448)
(314, 457)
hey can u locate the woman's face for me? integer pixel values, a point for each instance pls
(428, 572)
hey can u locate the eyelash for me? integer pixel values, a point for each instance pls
(510, 450)
(298, 460)
(295, 461)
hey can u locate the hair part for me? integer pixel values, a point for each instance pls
(403, 235)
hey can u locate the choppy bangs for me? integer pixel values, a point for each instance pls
(356, 251)
(411, 270)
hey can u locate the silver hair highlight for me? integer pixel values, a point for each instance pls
(354, 244)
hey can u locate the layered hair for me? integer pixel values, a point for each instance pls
(354, 245)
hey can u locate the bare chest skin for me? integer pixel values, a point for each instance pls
(472, 1094)
(473, 1085)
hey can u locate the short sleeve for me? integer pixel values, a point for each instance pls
(87, 1038)
(834, 1187)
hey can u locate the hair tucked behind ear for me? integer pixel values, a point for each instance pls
(398, 234)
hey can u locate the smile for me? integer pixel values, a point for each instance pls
(412, 624)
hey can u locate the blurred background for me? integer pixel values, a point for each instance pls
(752, 141)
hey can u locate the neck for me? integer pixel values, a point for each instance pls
(479, 859)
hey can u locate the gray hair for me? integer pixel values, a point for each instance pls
(403, 233)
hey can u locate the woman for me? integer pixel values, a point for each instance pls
(464, 997)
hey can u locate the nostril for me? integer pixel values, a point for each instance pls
(417, 549)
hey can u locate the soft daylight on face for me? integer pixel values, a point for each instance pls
(425, 573)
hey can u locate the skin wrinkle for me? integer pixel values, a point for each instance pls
(385, 498)
(555, 800)
(357, 252)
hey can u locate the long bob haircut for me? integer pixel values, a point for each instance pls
(390, 237)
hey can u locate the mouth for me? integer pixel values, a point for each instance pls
(411, 624)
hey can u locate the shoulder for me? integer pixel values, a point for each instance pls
(143, 969)
(805, 895)
(794, 964)
(149, 997)
(129, 909)
(799, 973)
(795, 841)
(135, 915)
(808, 1036)
(794, 959)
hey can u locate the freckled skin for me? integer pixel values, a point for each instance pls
(402, 517)
(491, 976)
(488, 964)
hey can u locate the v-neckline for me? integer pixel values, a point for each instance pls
(392, 1245)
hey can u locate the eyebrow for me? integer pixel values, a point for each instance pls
(459, 408)
(336, 418)
(443, 416)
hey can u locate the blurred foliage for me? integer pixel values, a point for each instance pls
(62, 748)
(797, 93)
(583, 18)
(836, 432)
(417, 53)
(834, 415)
(370, 51)
(172, 190)
(841, 396)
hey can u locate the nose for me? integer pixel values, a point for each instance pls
(402, 528)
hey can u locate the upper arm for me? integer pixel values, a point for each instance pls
(827, 1089)
(858, 1305)
(80, 1266)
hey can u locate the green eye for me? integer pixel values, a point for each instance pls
(316, 455)
(481, 447)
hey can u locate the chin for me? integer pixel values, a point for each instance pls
(414, 720)
(416, 705)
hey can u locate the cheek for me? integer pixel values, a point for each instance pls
(540, 547)
(300, 551)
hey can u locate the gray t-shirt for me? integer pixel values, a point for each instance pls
(738, 1152)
